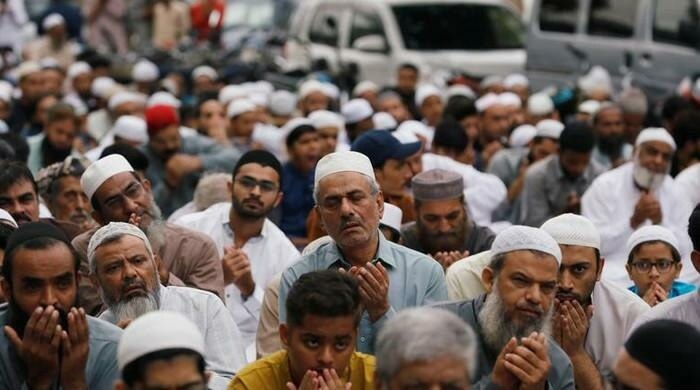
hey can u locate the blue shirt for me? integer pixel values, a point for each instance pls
(298, 200)
(414, 280)
(677, 289)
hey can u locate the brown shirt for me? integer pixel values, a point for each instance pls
(190, 256)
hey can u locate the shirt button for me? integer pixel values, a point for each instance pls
(362, 339)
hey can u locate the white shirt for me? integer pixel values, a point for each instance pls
(688, 184)
(685, 308)
(609, 203)
(483, 192)
(224, 352)
(464, 277)
(269, 253)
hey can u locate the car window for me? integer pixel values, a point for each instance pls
(559, 15)
(472, 27)
(676, 22)
(612, 18)
(365, 23)
(325, 26)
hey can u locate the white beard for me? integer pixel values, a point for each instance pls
(646, 178)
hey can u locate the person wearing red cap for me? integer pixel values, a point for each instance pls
(176, 162)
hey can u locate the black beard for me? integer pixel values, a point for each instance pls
(611, 146)
(17, 319)
(240, 209)
(53, 154)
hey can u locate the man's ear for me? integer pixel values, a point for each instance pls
(6, 289)
(279, 198)
(284, 335)
(380, 203)
(97, 217)
(229, 187)
(487, 278)
(695, 258)
(600, 268)
(146, 184)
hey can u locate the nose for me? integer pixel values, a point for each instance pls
(565, 281)
(346, 207)
(325, 356)
(444, 225)
(130, 205)
(48, 297)
(654, 272)
(81, 203)
(534, 294)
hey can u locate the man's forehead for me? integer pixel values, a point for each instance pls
(258, 172)
(534, 265)
(49, 262)
(22, 186)
(125, 246)
(575, 254)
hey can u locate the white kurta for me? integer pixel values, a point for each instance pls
(609, 203)
(269, 254)
(685, 308)
(688, 184)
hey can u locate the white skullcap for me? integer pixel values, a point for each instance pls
(356, 110)
(331, 91)
(572, 229)
(157, 331)
(517, 237)
(4, 128)
(365, 86)
(540, 104)
(131, 128)
(597, 79)
(78, 68)
(589, 107)
(258, 98)
(6, 91)
(514, 80)
(487, 101)
(384, 121)
(53, 20)
(651, 233)
(522, 135)
(145, 71)
(425, 91)
(79, 106)
(392, 216)
(101, 86)
(262, 86)
(240, 106)
(655, 134)
(48, 63)
(310, 86)
(7, 219)
(113, 230)
(549, 128)
(205, 71)
(282, 103)
(101, 170)
(26, 68)
(510, 99)
(293, 124)
(460, 90)
(408, 131)
(230, 93)
(490, 81)
(325, 118)
(162, 98)
(347, 161)
(122, 97)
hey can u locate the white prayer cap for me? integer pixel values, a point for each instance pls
(515, 79)
(540, 104)
(407, 131)
(522, 135)
(78, 68)
(230, 93)
(490, 81)
(6, 91)
(392, 216)
(572, 229)
(324, 118)
(425, 91)
(7, 219)
(356, 110)
(365, 86)
(655, 134)
(384, 121)
(510, 99)
(122, 97)
(487, 101)
(27, 68)
(131, 128)
(101, 170)
(549, 128)
(205, 71)
(517, 237)
(310, 86)
(258, 98)
(597, 79)
(101, 86)
(263, 86)
(240, 106)
(79, 107)
(347, 161)
(145, 71)
(53, 20)
(113, 230)
(331, 91)
(282, 103)
(157, 331)
(293, 124)
(589, 107)
(651, 233)
(460, 90)
(4, 128)
(164, 99)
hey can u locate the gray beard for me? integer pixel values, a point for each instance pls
(135, 307)
(155, 231)
(498, 327)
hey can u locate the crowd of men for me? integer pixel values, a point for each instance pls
(415, 235)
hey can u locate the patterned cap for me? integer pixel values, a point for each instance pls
(437, 184)
(71, 166)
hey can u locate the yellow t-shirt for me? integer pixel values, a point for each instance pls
(272, 372)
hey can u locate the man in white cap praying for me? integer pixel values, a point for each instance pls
(636, 194)
(512, 318)
(612, 149)
(124, 269)
(350, 204)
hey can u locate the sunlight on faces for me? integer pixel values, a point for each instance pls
(21, 201)
(578, 273)
(255, 202)
(445, 372)
(653, 252)
(441, 224)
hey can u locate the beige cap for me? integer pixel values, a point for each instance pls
(437, 184)
(347, 161)
(101, 170)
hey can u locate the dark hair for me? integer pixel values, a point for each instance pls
(450, 135)
(297, 132)
(5, 231)
(673, 106)
(260, 157)
(60, 111)
(135, 157)
(13, 172)
(203, 98)
(675, 256)
(327, 293)
(18, 144)
(35, 244)
(459, 107)
(409, 66)
(6, 151)
(134, 371)
(606, 107)
(577, 137)
(686, 129)
(694, 227)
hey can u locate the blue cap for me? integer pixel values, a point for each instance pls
(380, 145)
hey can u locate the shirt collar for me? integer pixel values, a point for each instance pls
(229, 232)
(333, 257)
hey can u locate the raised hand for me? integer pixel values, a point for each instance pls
(74, 350)
(237, 270)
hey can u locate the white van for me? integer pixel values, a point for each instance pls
(479, 37)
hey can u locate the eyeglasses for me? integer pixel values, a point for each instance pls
(662, 266)
(250, 184)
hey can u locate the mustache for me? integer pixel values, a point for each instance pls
(530, 307)
(135, 282)
(21, 217)
(346, 221)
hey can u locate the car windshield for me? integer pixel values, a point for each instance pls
(471, 27)
(249, 14)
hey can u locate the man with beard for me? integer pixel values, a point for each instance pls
(124, 269)
(252, 249)
(633, 195)
(512, 319)
(59, 187)
(55, 143)
(31, 84)
(443, 228)
(611, 149)
(118, 194)
(176, 162)
(592, 316)
(48, 341)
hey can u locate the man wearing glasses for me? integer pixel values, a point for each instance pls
(654, 264)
